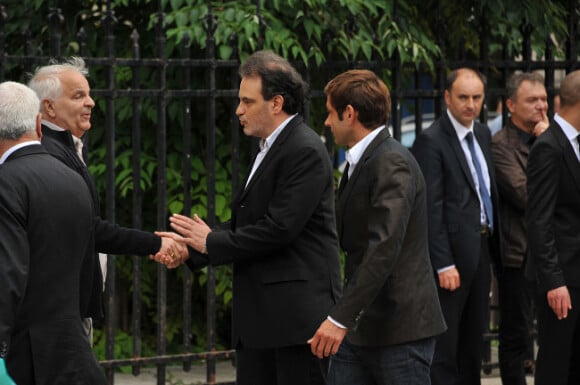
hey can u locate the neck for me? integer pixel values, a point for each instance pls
(6, 145)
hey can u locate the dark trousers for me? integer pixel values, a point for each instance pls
(292, 365)
(558, 361)
(516, 321)
(458, 351)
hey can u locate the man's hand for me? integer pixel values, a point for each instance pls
(542, 125)
(173, 251)
(560, 302)
(194, 230)
(449, 279)
(327, 339)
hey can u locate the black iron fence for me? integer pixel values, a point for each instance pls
(185, 85)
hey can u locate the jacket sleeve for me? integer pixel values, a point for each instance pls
(14, 260)
(543, 182)
(430, 159)
(114, 239)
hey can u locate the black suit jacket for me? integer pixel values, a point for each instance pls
(382, 227)
(452, 201)
(109, 238)
(554, 211)
(46, 237)
(282, 242)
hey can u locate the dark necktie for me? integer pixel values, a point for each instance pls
(343, 178)
(482, 189)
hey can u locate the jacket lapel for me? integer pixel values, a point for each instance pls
(272, 153)
(456, 146)
(569, 155)
(345, 192)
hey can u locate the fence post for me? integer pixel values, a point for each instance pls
(110, 313)
(137, 199)
(210, 27)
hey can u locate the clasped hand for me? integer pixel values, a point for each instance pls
(189, 232)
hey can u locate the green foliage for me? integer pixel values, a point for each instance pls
(312, 31)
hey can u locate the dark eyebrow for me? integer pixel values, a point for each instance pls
(247, 100)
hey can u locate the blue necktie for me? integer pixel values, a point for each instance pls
(482, 189)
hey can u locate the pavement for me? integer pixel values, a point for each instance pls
(225, 373)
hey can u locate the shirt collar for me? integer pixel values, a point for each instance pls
(16, 147)
(460, 130)
(354, 153)
(265, 144)
(52, 126)
(568, 129)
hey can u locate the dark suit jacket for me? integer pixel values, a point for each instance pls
(554, 211)
(452, 201)
(382, 227)
(46, 234)
(109, 238)
(510, 156)
(282, 242)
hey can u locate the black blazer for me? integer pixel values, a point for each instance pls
(42, 204)
(554, 211)
(452, 201)
(109, 238)
(382, 227)
(282, 242)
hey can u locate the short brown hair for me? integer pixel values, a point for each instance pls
(365, 92)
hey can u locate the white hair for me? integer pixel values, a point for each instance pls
(46, 80)
(19, 107)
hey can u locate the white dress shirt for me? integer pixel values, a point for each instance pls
(571, 133)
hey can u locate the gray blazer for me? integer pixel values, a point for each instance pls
(390, 295)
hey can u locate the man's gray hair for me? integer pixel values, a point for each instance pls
(46, 80)
(19, 107)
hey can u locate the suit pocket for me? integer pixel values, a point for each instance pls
(286, 275)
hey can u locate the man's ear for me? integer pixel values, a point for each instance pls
(349, 114)
(48, 108)
(510, 105)
(39, 125)
(277, 103)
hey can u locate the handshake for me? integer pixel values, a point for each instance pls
(190, 232)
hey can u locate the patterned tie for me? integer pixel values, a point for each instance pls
(482, 189)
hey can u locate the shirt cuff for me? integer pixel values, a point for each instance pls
(336, 323)
(439, 271)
